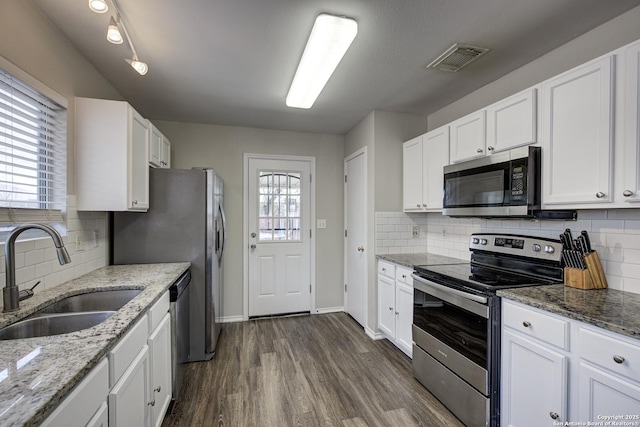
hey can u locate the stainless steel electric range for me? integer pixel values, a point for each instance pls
(456, 319)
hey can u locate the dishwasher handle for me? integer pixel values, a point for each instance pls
(179, 286)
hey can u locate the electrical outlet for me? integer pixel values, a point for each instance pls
(415, 231)
(80, 243)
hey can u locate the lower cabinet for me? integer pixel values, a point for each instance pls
(395, 305)
(557, 370)
(132, 385)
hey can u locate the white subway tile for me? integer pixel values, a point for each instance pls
(592, 214)
(34, 257)
(44, 268)
(631, 284)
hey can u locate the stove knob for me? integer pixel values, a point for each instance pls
(536, 247)
(483, 241)
(475, 240)
(549, 249)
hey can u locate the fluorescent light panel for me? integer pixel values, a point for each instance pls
(330, 38)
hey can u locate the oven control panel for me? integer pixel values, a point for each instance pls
(528, 246)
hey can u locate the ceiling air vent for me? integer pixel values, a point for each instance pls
(457, 56)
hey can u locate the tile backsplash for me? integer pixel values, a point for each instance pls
(614, 233)
(36, 259)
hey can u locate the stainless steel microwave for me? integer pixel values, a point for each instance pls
(505, 184)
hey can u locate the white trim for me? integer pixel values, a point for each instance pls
(231, 319)
(373, 334)
(328, 310)
(245, 224)
(361, 152)
(12, 68)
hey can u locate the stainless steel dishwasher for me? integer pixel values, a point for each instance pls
(179, 311)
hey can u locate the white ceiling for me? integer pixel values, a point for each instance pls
(231, 62)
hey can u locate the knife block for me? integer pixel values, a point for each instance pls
(591, 278)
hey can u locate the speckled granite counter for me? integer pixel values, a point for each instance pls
(609, 309)
(37, 373)
(409, 260)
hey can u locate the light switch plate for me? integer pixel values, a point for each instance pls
(322, 223)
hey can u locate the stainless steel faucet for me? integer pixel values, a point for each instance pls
(11, 297)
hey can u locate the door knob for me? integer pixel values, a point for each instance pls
(253, 246)
(360, 248)
(253, 235)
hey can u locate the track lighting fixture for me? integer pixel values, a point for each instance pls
(98, 6)
(113, 33)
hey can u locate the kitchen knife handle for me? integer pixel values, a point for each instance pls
(587, 240)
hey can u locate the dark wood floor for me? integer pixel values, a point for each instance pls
(319, 370)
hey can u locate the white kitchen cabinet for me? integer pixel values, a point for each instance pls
(112, 156)
(577, 135)
(628, 189)
(159, 148)
(159, 343)
(129, 399)
(101, 418)
(395, 304)
(412, 170)
(534, 382)
(555, 365)
(468, 137)
(512, 122)
(86, 400)
(424, 158)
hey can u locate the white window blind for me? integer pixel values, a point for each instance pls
(33, 146)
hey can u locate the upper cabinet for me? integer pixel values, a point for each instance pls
(468, 137)
(159, 149)
(577, 134)
(112, 156)
(512, 122)
(424, 157)
(628, 189)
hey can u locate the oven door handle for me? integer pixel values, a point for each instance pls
(474, 303)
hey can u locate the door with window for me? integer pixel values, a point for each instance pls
(279, 216)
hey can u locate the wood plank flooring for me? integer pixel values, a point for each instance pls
(319, 370)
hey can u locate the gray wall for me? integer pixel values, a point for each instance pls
(223, 147)
(599, 41)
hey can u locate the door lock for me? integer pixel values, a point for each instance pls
(253, 246)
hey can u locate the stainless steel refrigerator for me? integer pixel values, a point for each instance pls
(185, 222)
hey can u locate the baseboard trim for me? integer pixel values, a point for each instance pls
(232, 319)
(373, 334)
(329, 310)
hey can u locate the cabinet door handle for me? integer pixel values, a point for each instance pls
(424, 205)
(600, 195)
(554, 415)
(135, 202)
(384, 269)
(360, 248)
(526, 324)
(418, 205)
(157, 389)
(152, 403)
(618, 359)
(397, 313)
(490, 148)
(479, 150)
(391, 308)
(627, 193)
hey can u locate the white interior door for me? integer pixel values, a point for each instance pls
(356, 236)
(279, 226)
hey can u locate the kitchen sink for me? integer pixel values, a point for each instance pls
(70, 314)
(92, 301)
(53, 324)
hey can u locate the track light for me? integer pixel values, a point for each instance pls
(113, 33)
(330, 38)
(139, 66)
(98, 6)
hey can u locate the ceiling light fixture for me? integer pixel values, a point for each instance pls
(98, 6)
(113, 33)
(330, 38)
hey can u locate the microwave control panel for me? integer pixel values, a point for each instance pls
(518, 177)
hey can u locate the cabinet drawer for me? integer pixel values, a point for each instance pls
(127, 349)
(610, 352)
(387, 269)
(158, 310)
(82, 403)
(403, 275)
(536, 324)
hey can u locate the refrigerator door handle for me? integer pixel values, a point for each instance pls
(224, 232)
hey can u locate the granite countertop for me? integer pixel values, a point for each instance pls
(37, 373)
(410, 260)
(610, 309)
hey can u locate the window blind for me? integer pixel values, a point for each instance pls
(33, 146)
